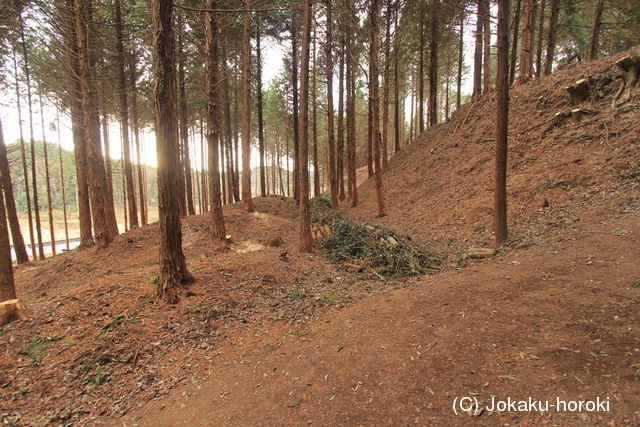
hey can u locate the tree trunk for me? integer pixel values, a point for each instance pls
(375, 100)
(34, 182)
(340, 141)
(331, 146)
(539, 40)
(477, 55)
(263, 190)
(420, 70)
(551, 38)
(294, 90)
(595, 32)
(306, 244)
(124, 119)
(104, 221)
(314, 119)
(247, 202)
(12, 213)
(47, 176)
(23, 156)
(433, 65)
(352, 186)
(524, 74)
(487, 85)
(514, 43)
(77, 124)
(502, 124)
(184, 130)
(173, 268)
(62, 181)
(136, 133)
(396, 85)
(7, 283)
(460, 63)
(385, 89)
(212, 82)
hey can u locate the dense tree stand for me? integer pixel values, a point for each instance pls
(502, 124)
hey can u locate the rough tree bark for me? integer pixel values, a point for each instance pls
(77, 125)
(460, 62)
(514, 43)
(62, 181)
(306, 243)
(524, 73)
(385, 88)
(36, 208)
(12, 213)
(477, 54)
(340, 140)
(421, 70)
(551, 38)
(502, 124)
(396, 78)
(7, 283)
(212, 82)
(595, 32)
(294, 93)
(538, 68)
(314, 119)
(247, 202)
(104, 221)
(487, 85)
(374, 96)
(263, 190)
(433, 65)
(352, 187)
(184, 130)
(124, 119)
(331, 146)
(136, 134)
(47, 178)
(173, 268)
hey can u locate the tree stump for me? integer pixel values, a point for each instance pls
(629, 67)
(579, 91)
(11, 310)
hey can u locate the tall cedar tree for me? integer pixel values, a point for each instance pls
(247, 202)
(77, 126)
(524, 74)
(263, 184)
(184, 128)
(477, 54)
(12, 214)
(294, 94)
(486, 46)
(306, 243)
(27, 73)
(374, 102)
(595, 31)
(502, 124)
(173, 268)
(551, 37)
(7, 283)
(385, 90)
(102, 209)
(212, 83)
(351, 108)
(433, 64)
(47, 178)
(331, 146)
(124, 118)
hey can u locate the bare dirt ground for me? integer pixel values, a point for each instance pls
(270, 336)
(557, 320)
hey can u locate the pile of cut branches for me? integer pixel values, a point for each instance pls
(365, 246)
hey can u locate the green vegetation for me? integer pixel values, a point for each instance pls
(353, 243)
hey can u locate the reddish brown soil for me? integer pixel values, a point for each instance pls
(269, 336)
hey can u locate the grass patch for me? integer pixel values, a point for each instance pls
(635, 283)
(38, 347)
(353, 243)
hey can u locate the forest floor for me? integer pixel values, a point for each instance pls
(271, 336)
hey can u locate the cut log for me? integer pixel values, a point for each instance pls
(579, 91)
(477, 253)
(629, 67)
(577, 114)
(11, 310)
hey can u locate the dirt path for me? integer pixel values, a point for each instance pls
(555, 320)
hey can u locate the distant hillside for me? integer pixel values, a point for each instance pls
(70, 182)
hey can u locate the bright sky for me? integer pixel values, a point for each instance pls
(273, 53)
